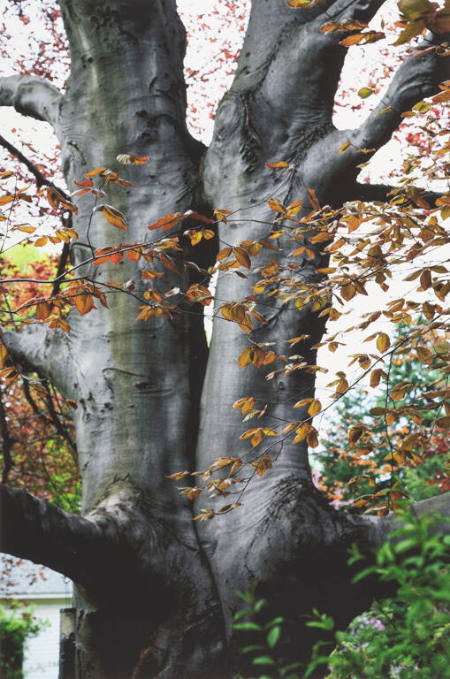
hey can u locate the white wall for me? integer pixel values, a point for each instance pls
(41, 657)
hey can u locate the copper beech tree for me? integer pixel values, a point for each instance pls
(182, 503)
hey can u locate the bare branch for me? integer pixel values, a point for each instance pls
(114, 543)
(416, 78)
(31, 96)
(383, 193)
(48, 352)
(41, 180)
(379, 528)
(34, 529)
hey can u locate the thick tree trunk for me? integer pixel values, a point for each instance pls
(155, 593)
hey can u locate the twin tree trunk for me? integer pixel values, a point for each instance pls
(155, 590)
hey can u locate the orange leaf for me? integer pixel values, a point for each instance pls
(43, 310)
(280, 163)
(3, 355)
(167, 222)
(113, 216)
(92, 173)
(257, 438)
(56, 200)
(302, 432)
(6, 199)
(348, 291)
(299, 4)
(303, 402)
(276, 206)
(133, 255)
(314, 408)
(25, 228)
(312, 439)
(425, 279)
(191, 214)
(84, 303)
(177, 476)
(313, 199)
(242, 257)
(131, 159)
(221, 215)
(245, 357)
(263, 464)
(355, 433)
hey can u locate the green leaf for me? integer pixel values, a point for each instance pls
(273, 636)
(263, 660)
(246, 596)
(404, 545)
(247, 626)
(365, 92)
(275, 621)
(260, 604)
(252, 647)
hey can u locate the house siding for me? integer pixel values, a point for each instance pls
(41, 653)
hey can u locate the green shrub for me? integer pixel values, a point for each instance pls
(405, 636)
(15, 626)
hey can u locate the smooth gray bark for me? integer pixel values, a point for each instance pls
(30, 96)
(156, 590)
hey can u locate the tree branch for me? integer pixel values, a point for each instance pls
(32, 528)
(383, 193)
(48, 352)
(415, 79)
(7, 441)
(41, 180)
(31, 96)
(117, 543)
(379, 528)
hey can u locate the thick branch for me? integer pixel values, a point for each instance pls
(48, 352)
(327, 164)
(383, 192)
(416, 78)
(32, 528)
(379, 528)
(31, 96)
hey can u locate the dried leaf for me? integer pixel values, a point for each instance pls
(383, 342)
(314, 408)
(263, 464)
(280, 163)
(131, 159)
(242, 257)
(93, 173)
(3, 354)
(365, 92)
(276, 206)
(112, 215)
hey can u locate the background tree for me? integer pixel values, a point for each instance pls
(38, 451)
(156, 590)
(411, 454)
